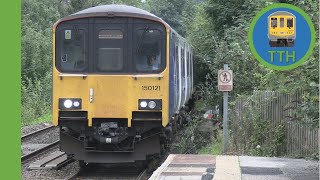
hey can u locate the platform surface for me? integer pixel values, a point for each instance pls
(207, 167)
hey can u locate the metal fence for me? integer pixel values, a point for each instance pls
(300, 140)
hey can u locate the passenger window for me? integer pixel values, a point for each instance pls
(281, 22)
(177, 64)
(289, 22)
(274, 22)
(148, 50)
(110, 51)
(182, 62)
(73, 50)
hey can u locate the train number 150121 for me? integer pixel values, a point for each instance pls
(151, 88)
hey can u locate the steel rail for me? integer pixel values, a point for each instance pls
(37, 132)
(34, 153)
(142, 175)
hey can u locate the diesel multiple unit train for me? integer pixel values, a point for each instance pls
(121, 75)
(281, 29)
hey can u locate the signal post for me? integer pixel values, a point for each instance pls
(225, 84)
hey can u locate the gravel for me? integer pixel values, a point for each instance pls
(38, 141)
(42, 174)
(67, 171)
(31, 128)
(31, 144)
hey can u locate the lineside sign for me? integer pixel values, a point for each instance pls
(225, 80)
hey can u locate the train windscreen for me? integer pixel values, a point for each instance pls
(274, 22)
(290, 22)
(148, 50)
(73, 48)
(110, 45)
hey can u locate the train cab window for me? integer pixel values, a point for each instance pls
(289, 22)
(148, 50)
(73, 50)
(274, 22)
(281, 22)
(110, 51)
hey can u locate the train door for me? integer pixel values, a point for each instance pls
(108, 92)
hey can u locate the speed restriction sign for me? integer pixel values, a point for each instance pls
(225, 82)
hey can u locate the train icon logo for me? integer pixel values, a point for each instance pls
(281, 29)
(281, 36)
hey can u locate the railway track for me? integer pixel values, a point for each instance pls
(43, 130)
(30, 147)
(38, 151)
(115, 173)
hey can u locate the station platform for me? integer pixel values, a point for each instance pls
(208, 167)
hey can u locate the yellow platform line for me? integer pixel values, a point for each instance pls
(227, 167)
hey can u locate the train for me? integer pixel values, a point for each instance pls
(281, 29)
(122, 80)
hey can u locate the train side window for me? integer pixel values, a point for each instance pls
(274, 22)
(178, 65)
(281, 22)
(182, 62)
(110, 50)
(177, 62)
(289, 22)
(148, 50)
(188, 72)
(73, 50)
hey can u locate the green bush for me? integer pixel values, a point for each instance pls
(35, 99)
(251, 132)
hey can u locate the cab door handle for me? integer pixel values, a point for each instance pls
(91, 95)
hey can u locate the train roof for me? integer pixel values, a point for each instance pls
(281, 13)
(114, 10)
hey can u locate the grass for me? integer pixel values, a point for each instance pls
(47, 118)
(213, 148)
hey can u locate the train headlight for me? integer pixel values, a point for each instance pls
(143, 104)
(76, 103)
(69, 103)
(150, 104)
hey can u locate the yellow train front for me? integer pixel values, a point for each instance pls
(121, 76)
(281, 29)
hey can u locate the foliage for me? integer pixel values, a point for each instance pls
(35, 99)
(192, 138)
(219, 33)
(215, 147)
(262, 137)
(177, 13)
(304, 78)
